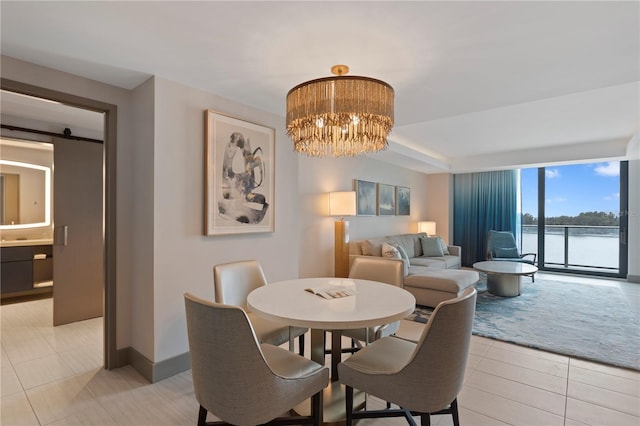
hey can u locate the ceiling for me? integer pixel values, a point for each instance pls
(478, 85)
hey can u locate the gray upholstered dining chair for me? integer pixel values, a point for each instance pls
(422, 378)
(233, 282)
(241, 381)
(390, 271)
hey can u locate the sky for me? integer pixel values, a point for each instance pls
(573, 189)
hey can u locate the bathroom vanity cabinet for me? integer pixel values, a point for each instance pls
(26, 270)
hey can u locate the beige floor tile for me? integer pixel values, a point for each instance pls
(571, 422)
(95, 416)
(479, 346)
(606, 381)
(604, 397)
(83, 358)
(592, 414)
(9, 382)
(528, 360)
(523, 375)
(608, 369)
(37, 372)
(63, 398)
(561, 359)
(525, 394)
(25, 346)
(505, 410)
(468, 417)
(143, 406)
(4, 358)
(15, 410)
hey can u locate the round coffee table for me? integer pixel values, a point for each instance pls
(504, 278)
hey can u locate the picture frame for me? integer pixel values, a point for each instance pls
(366, 200)
(386, 200)
(403, 201)
(239, 176)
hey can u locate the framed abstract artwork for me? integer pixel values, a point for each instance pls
(386, 200)
(403, 201)
(239, 176)
(365, 198)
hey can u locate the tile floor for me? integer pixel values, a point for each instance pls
(53, 376)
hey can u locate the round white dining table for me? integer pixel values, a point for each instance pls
(374, 303)
(371, 303)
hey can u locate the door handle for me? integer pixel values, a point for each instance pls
(60, 235)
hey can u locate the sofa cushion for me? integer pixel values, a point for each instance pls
(431, 247)
(428, 262)
(409, 242)
(449, 280)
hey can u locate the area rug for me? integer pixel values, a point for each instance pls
(592, 322)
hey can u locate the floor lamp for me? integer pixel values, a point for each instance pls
(342, 204)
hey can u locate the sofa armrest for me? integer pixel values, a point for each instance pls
(455, 250)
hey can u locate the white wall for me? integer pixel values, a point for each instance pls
(318, 176)
(183, 257)
(440, 206)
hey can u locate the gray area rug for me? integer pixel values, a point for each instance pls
(592, 322)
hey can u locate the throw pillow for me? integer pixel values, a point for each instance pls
(445, 249)
(431, 247)
(392, 252)
(508, 253)
(403, 253)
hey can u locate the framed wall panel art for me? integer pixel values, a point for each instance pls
(239, 176)
(386, 200)
(403, 201)
(366, 198)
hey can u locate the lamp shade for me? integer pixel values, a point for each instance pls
(427, 226)
(342, 203)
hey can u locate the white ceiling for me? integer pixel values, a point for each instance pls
(479, 85)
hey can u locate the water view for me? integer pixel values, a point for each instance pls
(585, 250)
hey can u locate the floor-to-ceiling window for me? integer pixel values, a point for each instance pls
(573, 217)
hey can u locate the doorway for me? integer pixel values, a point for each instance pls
(110, 141)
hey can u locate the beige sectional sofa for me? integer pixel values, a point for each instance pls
(430, 277)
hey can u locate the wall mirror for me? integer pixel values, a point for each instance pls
(25, 184)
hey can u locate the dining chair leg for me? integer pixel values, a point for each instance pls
(454, 412)
(348, 402)
(317, 409)
(301, 345)
(202, 416)
(425, 420)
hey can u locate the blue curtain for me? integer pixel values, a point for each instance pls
(482, 201)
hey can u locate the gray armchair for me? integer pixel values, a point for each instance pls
(233, 282)
(422, 378)
(501, 245)
(241, 381)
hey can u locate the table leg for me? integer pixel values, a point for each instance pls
(333, 398)
(505, 285)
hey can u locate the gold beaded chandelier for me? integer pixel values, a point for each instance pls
(340, 116)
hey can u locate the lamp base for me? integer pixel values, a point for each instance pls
(341, 268)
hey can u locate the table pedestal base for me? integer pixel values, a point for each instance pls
(505, 285)
(333, 402)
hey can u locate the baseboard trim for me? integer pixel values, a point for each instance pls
(153, 371)
(633, 278)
